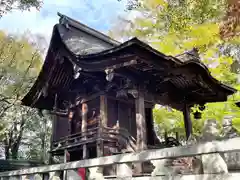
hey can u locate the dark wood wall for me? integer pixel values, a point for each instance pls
(149, 126)
(112, 110)
(60, 127)
(127, 117)
(125, 113)
(117, 110)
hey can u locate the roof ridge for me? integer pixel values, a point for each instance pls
(89, 30)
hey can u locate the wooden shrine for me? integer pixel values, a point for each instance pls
(102, 92)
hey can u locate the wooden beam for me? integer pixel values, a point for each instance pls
(187, 121)
(86, 99)
(148, 104)
(92, 96)
(59, 113)
(124, 64)
(100, 65)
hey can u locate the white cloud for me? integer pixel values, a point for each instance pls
(95, 13)
(20, 22)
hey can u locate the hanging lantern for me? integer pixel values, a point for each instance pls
(238, 104)
(197, 115)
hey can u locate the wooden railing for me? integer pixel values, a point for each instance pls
(117, 137)
(124, 161)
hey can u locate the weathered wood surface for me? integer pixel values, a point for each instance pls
(84, 128)
(230, 145)
(141, 128)
(141, 123)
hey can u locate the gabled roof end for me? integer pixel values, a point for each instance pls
(65, 19)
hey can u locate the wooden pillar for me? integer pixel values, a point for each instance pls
(53, 131)
(187, 121)
(102, 123)
(65, 161)
(103, 109)
(141, 127)
(70, 117)
(84, 127)
(177, 136)
(141, 123)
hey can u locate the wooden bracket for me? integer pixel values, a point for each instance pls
(133, 92)
(109, 74)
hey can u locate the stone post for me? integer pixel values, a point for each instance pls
(233, 158)
(124, 170)
(212, 163)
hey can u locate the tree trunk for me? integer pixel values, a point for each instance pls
(43, 140)
(16, 139)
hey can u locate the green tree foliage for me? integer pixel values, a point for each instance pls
(225, 11)
(20, 63)
(8, 5)
(19, 66)
(37, 137)
(176, 26)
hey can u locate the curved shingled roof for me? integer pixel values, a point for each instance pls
(94, 52)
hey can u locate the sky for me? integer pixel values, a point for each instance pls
(98, 14)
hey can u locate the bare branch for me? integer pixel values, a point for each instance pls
(17, 90)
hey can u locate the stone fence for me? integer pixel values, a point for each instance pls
(213, 165)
